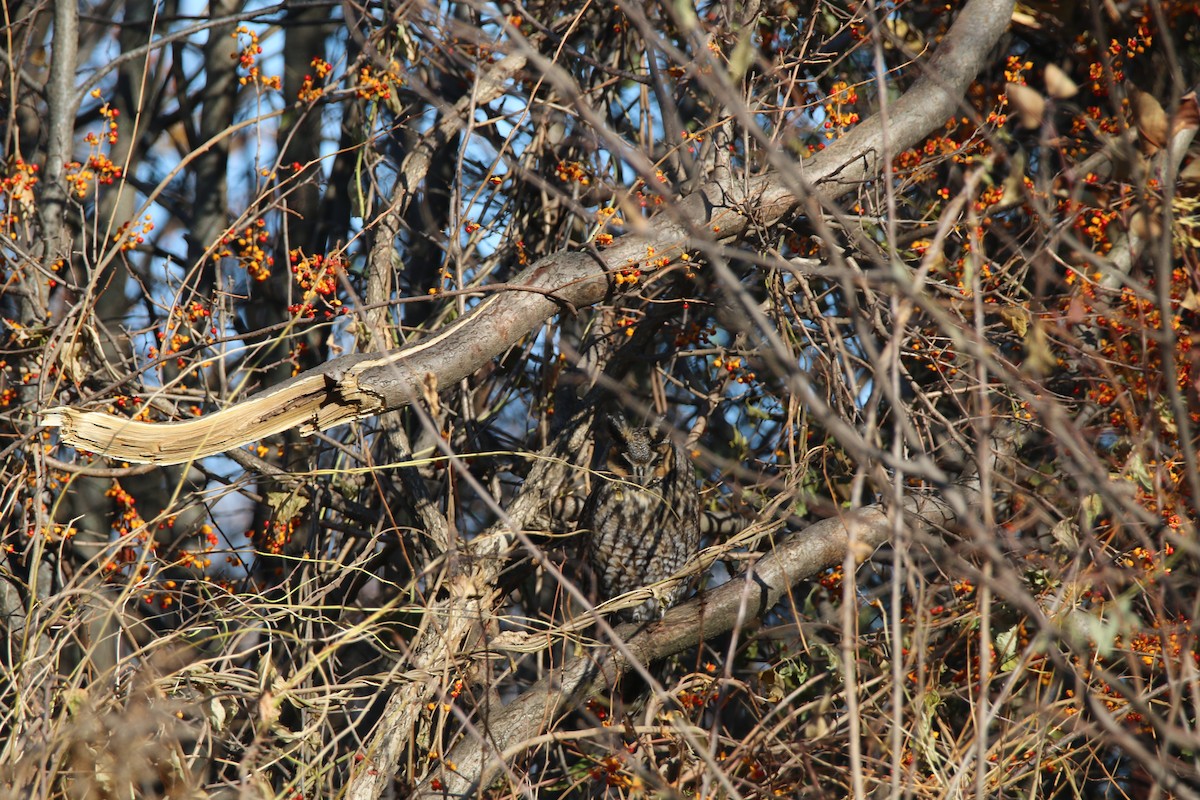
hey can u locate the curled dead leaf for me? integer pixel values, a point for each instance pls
(1066, 535)
(1150, 118)
(1039, 356)
(861, 550)
(1058, 84)
(1191, 172)
(1188, 116)
(1145, 225)
(1029, 103)
(73, 363)
(1017, 318)
(1078, 312)
(1013, 185)
(287, 505)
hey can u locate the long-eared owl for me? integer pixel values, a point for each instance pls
(643, 515)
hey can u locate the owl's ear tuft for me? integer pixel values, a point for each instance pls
(618, 426)
(660, 431)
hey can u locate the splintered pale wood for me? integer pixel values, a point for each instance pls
(303, 401)
(333, 393)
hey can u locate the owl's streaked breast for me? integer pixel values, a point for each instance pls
(643, 515)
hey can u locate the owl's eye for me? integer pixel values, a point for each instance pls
(642, 468)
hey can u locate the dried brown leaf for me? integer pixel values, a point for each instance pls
(1017, 319)
(1150, 118)
(1188, 116)
(1191, 173)
(1146, 226)
(1029, 103)
(1058, 84)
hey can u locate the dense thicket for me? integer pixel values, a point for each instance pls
(915, 284)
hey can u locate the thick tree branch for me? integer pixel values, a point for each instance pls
(59, 128)
(358, 386)
(450, 625)
(761, 586)
(577, 279)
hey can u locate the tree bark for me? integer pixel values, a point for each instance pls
(576, 279)
(798, 557)
(363, 385)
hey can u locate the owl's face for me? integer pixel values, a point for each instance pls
(638, 455)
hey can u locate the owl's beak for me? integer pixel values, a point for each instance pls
(643, 474)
